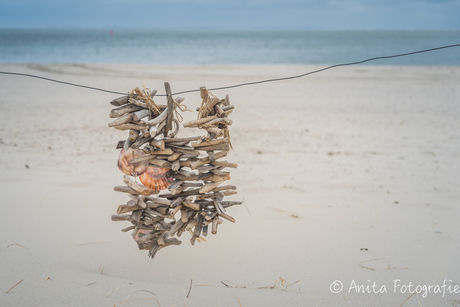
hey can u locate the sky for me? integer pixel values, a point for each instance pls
(233, 14)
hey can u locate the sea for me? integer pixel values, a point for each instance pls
(154, 46)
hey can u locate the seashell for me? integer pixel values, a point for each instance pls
(155, 178)
(133, 169)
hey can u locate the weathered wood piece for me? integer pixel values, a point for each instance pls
(138, 115)
(133, 135)
(126, 189)
(224, 147)
(127, 108)
(174, 156)
(121, 217)
(160, 163)
(131, 126)
(144, 158)
(137, 186)
(224, 164)
(203, 161)
(120, 101)
(138, 103)
(211, 142)
(122, 120)
(170, 109)
(191, 205)
(210, 186)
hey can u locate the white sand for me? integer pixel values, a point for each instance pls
(367, 157)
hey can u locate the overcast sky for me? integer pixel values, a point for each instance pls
(232, 14)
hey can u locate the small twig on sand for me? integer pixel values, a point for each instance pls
(91, 283)
(188, 294)
(246, 206)
(293, 214)
(14, 286)
(41, 203)
(366, 267)
(17, 245)
(114, 290)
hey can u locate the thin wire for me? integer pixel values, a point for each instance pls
(241, 84)
(62, 82)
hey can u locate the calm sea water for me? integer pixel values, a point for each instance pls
(223, 47)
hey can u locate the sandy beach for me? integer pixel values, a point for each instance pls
(350, 177)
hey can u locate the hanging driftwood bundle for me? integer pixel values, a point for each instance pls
(154, 159)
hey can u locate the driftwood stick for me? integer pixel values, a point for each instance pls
(133, 135)
(192, 184)
(211, 142)
(183, 215)
(120, 101)
(184, 172)
(196, 123)
(175, 184)
(121, 217)
(177, 190)
(155, 121)
(126, 189)
(170, 112)
(184, 150)
(175, 165)
(198, 228)
(175, 140)
(127, 208)
(136, 186)
(131, 126)
(138, 103)
(218, 121)
(166, 151)
(158, 143)
(227, 217)
(146, 133)
(219, 172)
(140, 141)
(224, 187)
(224, 164)
(224, 147)
(211, 154)
(127, 108)
(219, 111)
(212, 196)
(136, 217)
(206, 168)
(203, 161)
(210, 186)
(120, 144)
(175, 203)
(160, 163)
(144, 158)
(184, 178)
(138, 115)
(174, 156)
(176, 209)
(185, 193)
(191, 205)
(215, 221)
(128, 228)
(217, 178)
(122, 120)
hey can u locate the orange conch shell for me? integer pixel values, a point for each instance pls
(155, 178)
(133, 169)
